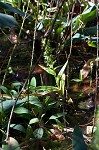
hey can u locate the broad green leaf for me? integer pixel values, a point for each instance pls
(40, 26)
(7, 104)
(5, 90)
(92, 44)
(34, 120)
(59, 30)
(56, 116)
(88, 31)
(66, 24)
(38, 133)
(59, 123)
(42, 93)
(7, 21)
(78, 140)
(12, 144)
(77, 80)
(49, 70)
(82, 19)
(88, 15)
(18, 127)
(29, 131)
(46, 100)
(46, 88)
(21, 110)
(51, 104)
(33, 100)
(62, 83)
(79, 37)
(79, 22)
(14, 93)
(63, 69)
(95, 140)
(12, 9)
(59, 76)
(33, 82)
(16, 85)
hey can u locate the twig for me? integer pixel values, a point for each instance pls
(9, 61)
(8, 127)
(12, 110)
(48, 32)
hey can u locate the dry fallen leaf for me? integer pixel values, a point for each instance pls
(57, 134)
(13, 38)
(85, 70)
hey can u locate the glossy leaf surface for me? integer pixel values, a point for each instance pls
(78, 140)
(7, 21)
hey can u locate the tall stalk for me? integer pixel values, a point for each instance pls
(95, 141)
(11, 114)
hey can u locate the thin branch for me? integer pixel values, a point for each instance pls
(9, 61)
(49, 31)
(11, 114)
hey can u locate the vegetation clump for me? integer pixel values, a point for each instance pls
(48, 75)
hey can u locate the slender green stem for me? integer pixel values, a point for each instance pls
(11, 114)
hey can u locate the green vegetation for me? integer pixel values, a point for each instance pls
(49, 80)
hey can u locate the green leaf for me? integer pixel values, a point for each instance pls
(56, 116)
(12, 9)
(51, 104)
(60, 74)
(21, 110)
(7, 21)
(63, 69)
(32, 85)
(62, 83)
(16, 85)
(12, 144)
(88, 31)
(5, 90)
(14, 93)
(77, 80)
(49, 70)
(46, 88)
(48, 106)
(18, 127)
(59, 30)
(87, 15)
(34, 120)
(38, 133)
(59, 123)
(7, 104)
(40, 26)
(29, 132)
(33, 82)
(95, 140)
(33, 100)
(78, 140)
(92, 44)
